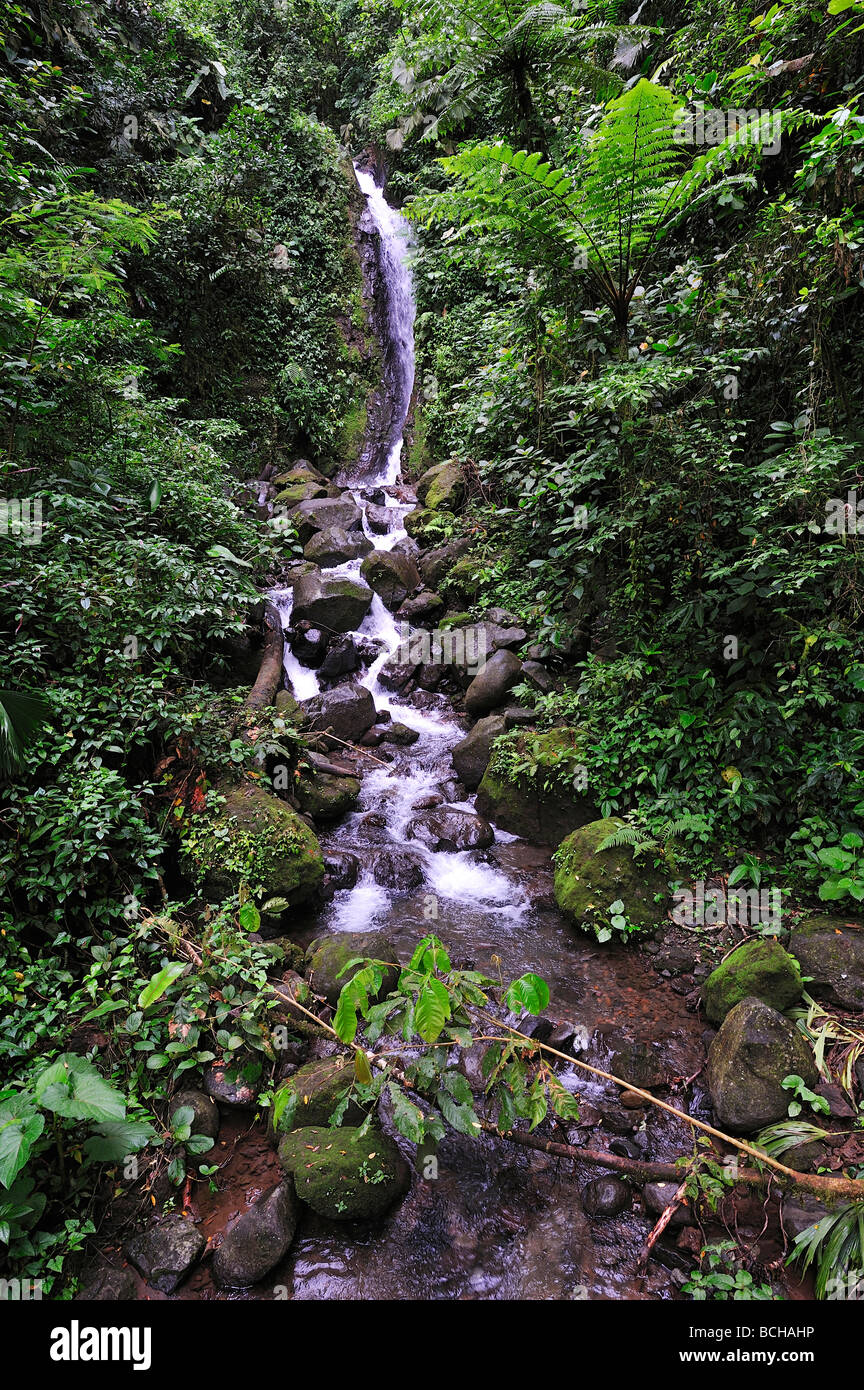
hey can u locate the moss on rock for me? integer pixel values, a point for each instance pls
(311, 1095)
(344, 1175)
(589, 880)
(528, 786)
(831, 952)
(327, 797)
(251, 838)
(759, 969)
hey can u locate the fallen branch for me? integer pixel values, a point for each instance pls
(263, 692)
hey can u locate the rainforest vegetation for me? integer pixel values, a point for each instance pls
(633, 455)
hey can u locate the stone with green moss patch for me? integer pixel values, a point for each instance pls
(343, 1174)
(312, 1095)
(326, 797)
(251, 838)
(759, 969)
(529, 786)
(327, 957)
(588, 880)
(831, 952)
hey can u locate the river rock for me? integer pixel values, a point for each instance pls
(638, 1063)
(442, 487)
(301, 491)
(539, 806)
(436, 564)
(494, 637)
(399, 733)
(759, 969)
(471, 757)
(311, 1095)
(325, 797)
(537, 675)
(397, 871)
(258, 1240)
(588, 880)
(342, 659)
(605, 1197)
(253, 838)
(109, 1285)
(336, 546)
(831, 951)
(657, 1196)
(335, 602)
(342, 867)
(425, 605)
(328, 955)
(446, 828)
(165, 1253)
(491, 684)
(346, 711)
(395, 675)
(309, 644)
(319, 514)
(226, 1085)
(344, 1175)
(381, 519)
(391, 575)
(754, 1050)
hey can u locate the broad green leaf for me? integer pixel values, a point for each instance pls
(529, 993)
(159, 983)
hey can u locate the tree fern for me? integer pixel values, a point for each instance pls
(22, 715)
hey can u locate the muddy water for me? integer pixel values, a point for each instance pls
(497, 1222)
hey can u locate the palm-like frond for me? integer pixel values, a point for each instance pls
(22, 715)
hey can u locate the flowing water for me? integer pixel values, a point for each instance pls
(497, 1221)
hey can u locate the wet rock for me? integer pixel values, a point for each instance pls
(831, 950)
(346, 711)
(258, 1240)
(425, 803)
(436, 564)
(165, 1253)
(395, 675)
(288, 708)
(489, 687)
(325, 798)
(328, 955)
(542, 806)
(471, 756)
(400, 734)
(425, 605)
(205, 1112)
(639, 1063)
(391, 575)
(336, 546)
(342, 867)
(342, 659)
(381, 519)
(754, 1050)
(625, 1148)
(658, 1195)
(800, 1212)
(759, 969)
(397, 871)
(110, 1286)
(335, 602)
(253, 837)
(448, 829)
(226, 1085)
(805, 1158)
(312, 1094)
(324, 513)
(309, 644)
(605, 1197)
(343, 1175)
(301, 491)
(588, 880)
(516, 717)
(632, 1101)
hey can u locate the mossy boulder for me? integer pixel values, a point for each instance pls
(463, 578)
(344, 1175)
(392, 575)
(332, 601)
(417, 523)
(311, 1095)
(327, 797)
(588, 879)
(303, 491)
(831, 952)
(755, 1049)
(253, 839)
(442, 487)
(327, 956)
(526, 787)
(759, 969)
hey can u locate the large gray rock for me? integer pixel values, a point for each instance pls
(336, 602)
(165, 1253)
(436, 564)
(327, 956)
(471, 757)
(754, 1050)
(347, 711)
(491, 684)
(258, 1240)
(319, 514)
(391, 575)
(335, 546)
(831, 951)
(445, 828)
(397, 871)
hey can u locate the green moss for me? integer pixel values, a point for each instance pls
(759, 969)
(312, 1094)
(589, 880)
(344, 1175)
(532, 785)
(326, 797)
(248, 837)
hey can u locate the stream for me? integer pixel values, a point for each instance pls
(498, 1221)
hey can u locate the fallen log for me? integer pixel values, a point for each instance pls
(267, 682)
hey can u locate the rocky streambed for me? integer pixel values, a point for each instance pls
(406, 819)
